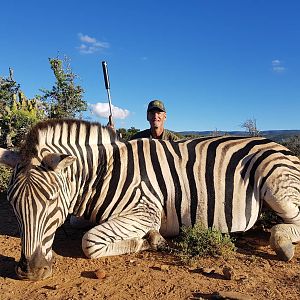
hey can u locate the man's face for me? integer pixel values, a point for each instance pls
(156, 118)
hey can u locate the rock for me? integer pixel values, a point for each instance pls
(100, 274)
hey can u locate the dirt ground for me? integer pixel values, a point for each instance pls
(252, 273)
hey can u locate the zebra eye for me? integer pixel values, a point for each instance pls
(54, 196)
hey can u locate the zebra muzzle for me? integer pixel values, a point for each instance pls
(35, 268)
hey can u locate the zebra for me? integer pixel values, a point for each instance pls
(137, 193)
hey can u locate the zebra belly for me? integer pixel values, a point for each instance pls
(242, 217)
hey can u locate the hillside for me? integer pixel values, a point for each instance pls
(276, 135)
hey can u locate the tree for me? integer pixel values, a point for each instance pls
(17, 113)
(250, 126)
(64, 100)
(8, 88)
(126, 134)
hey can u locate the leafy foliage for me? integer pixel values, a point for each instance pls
(5, 174)
(293, 143)
(199, 241)
(17, 114)
(126, 134)
(64, 100)
(8, 88)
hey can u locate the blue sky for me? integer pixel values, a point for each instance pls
(214, 63)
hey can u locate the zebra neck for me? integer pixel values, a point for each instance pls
(95, 174)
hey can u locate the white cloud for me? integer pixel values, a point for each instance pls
(102, 110)
(278, 69)
(276, 62)
(86, 38)
(90, 45)
(277, 66)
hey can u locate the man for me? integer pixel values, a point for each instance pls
(156, 116)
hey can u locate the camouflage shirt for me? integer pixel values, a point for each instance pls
(167, 135)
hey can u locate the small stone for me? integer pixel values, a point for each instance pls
(100, 274)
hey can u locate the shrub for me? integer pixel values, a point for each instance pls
(4, 177)
(199, 241)
(293, 143)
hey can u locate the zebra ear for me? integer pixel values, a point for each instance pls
(9, 158)
(58, 161)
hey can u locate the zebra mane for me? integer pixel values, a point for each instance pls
(61, 131)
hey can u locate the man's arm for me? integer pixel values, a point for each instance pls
(170, 136)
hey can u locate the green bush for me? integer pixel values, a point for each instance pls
(198, 241)
(4, 177)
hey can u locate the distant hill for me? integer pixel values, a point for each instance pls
(275, 135)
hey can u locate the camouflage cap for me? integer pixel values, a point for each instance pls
(156, 104)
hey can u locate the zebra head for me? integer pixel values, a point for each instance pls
(39, 193)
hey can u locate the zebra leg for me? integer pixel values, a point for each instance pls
(283, 236)
(121, 235)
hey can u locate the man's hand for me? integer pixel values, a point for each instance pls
(111, 123)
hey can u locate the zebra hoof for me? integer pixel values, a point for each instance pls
(156, 241)
(283, 247)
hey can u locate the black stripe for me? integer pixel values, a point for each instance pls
(128, 180)
(62, 147)
(130, 199)
(87, 175)
(251, 183)
(72, 151)
(244, 171)
(176, 182)
(142, 165)
(79, 176)
(229, 177)
(209, 176)
(191, 148)
(113, 182)
(98, 183)
(175, 146)
(194, 201)
(158, 173)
